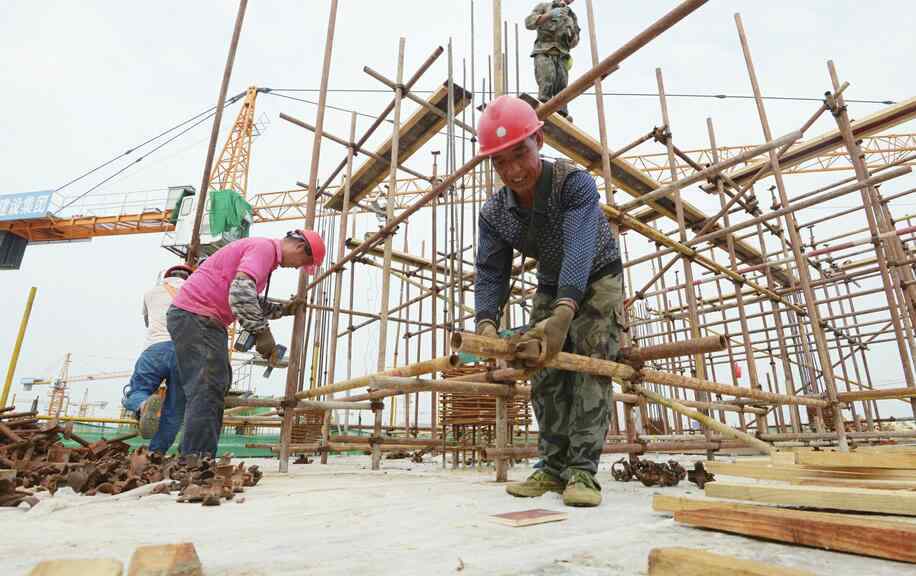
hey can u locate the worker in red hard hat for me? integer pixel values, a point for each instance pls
(550, 211)
(154, 392)
(225, 289)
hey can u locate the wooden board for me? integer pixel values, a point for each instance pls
(859, 472)
(888, 448)
(672, 504)
(687, 562)
(834, 498)
(782, 458)
(878, 538)
(858, 460)
(529, 517)
(78, 567)
(788, 472)
(850, 483)
(412, 135)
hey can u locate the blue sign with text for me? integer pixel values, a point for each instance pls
(25, 205)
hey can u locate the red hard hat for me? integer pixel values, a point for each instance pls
(506, 122)
(177, 268)
(316, 247)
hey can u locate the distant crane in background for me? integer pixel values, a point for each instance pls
(86, 407)
(59, 394)
(230, 172)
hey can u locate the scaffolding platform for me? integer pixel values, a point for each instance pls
(414, 133)
(582, 148)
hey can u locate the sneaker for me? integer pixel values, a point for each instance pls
(149, 416)
(536, 485)
(581, 490)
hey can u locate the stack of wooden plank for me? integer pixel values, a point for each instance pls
(841, 486)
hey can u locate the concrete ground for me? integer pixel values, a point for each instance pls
(406, 519)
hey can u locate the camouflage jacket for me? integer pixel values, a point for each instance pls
(558, 35)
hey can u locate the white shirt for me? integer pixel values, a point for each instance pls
(156, 303)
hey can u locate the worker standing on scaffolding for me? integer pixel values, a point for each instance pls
(550, 211)
(557, 33)
(160, 415)
(225, 288)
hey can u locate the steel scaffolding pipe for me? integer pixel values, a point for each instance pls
(681, 381)
(416, 385)
(711, 171)
(500, 348)
(418, 369)
(673, 349)
(709, 423)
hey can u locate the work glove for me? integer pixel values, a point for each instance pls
(552, 331)
(558, 12)
(264, 343)
(487, 328)
(290, 307)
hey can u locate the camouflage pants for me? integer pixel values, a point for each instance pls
(572, 408)
(551, 76)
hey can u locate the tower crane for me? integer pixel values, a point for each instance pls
(59, 394)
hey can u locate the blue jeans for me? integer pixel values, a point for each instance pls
(202, 349)
(155, 364)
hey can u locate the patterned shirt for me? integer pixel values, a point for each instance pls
(574, 243)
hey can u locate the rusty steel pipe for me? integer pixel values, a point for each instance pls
(417, 385)
(682, 381)
(500, 348)
(425, 367)
(673, 349)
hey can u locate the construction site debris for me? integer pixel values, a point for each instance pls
(416, 456)
(648, 472)
(37, 461)
(699, 475)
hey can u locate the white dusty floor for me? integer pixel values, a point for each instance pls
(407, 519)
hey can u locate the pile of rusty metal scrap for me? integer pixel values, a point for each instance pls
(648, 472)
(33, 459)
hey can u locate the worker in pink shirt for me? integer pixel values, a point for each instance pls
(222, 290)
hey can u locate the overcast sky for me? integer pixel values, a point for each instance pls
(82, 82)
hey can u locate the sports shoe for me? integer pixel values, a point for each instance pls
(149, 415)
(581, 490)
(536, 485)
